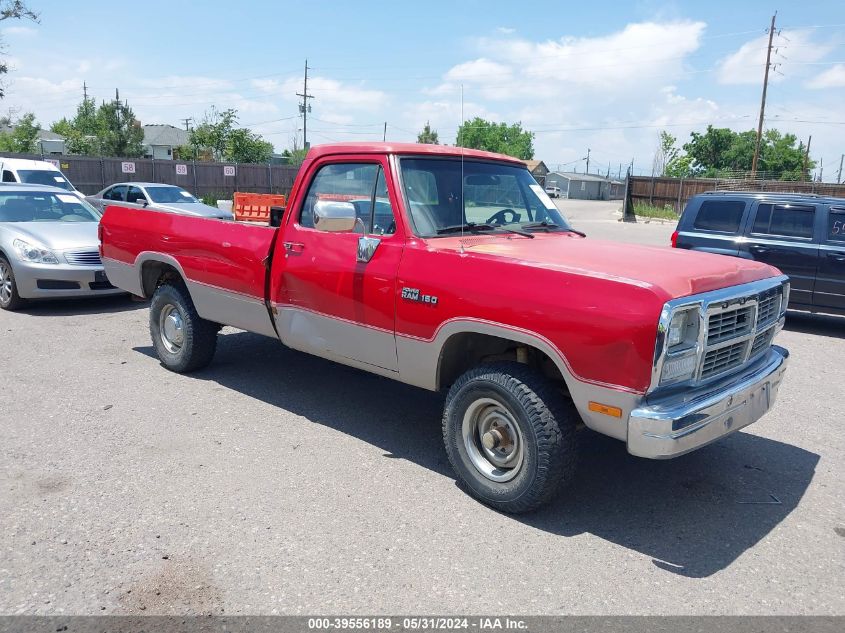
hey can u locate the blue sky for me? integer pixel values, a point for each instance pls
(581, 75)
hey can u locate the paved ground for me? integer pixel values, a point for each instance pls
(274, 482)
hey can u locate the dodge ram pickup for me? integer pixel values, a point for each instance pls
(451, 269)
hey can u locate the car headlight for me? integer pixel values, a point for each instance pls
(30, 253)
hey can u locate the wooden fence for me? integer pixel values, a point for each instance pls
(91, 174)
(675, 192)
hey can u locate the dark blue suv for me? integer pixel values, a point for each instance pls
(803, 235)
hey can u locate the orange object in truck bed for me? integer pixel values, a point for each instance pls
(255, 207)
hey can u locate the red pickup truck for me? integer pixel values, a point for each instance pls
(452, 270)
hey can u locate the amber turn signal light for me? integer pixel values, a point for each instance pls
(606, 409)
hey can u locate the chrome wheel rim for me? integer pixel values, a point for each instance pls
(5, 284)
(172, 328)
(493, 440)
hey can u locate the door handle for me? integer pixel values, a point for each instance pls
(837, 257)
(759, 249)
(294, 247)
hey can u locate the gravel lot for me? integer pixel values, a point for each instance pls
(275, 482)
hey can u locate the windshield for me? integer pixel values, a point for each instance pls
(169, 195)
(44, 177)
(39, 206)
(489, 195)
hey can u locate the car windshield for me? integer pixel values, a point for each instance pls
(40, 206)
(446, 194)
(48, 177)
(169, 195)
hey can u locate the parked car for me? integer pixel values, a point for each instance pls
(35, 172)
(161, 196)
(475, 285)
(553, 191)
(49, 246)
(802, 235)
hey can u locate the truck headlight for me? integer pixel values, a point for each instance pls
(683, 330)
(30, 253)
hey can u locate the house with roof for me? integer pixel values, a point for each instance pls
(46, 142)
(160, 141)
(538, 169)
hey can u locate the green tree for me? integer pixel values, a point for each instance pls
(666, 152)
(13, 10)
(428, 136)
(81, 133)
(118, 131)
(23, 138)
(497, 137)
(219, 137)
(214, 132)
(720, 151)
(295, 156)
(244, 146)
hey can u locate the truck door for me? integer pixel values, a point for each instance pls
(782, 234)
(830, 281)
(332, 300)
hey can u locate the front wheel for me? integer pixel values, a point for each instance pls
(9, 297)
(510, 436)
(183, 340)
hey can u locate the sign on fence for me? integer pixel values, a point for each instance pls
(181, 170)
(228, 170)
(127, 167)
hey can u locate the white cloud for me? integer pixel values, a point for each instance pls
(792, 51)
(833, 77)
(19, 31)
(505, 30)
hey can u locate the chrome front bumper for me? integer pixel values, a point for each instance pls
(684, 422)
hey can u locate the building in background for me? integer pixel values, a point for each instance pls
(46, 142)
(538, 169)
(585, 186)
(161, 140)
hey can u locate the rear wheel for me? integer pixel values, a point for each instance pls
(510, 436)
(9, 297)
(183, 340)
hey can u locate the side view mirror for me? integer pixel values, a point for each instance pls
(276, 215)
(333, 216)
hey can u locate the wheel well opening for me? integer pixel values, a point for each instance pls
(153, 274)
(470, 349)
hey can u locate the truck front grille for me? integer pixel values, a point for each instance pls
(720, 360)
(83, 258)
(730, 324)
(738, 333)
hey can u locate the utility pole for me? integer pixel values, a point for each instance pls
(187, 121)
(588, 160)
(806, 159)
(839, 175)
(84, 92)
(304, 108)
(821, 168)
(384, 136)
(763, 101)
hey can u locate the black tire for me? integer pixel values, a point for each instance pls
(9, 297)
(198, 337)
(545, 420)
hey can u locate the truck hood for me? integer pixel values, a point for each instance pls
(668, 271)
(57, 236)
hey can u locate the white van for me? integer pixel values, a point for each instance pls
(35, 172)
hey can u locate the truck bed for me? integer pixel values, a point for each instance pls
(222, 262)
